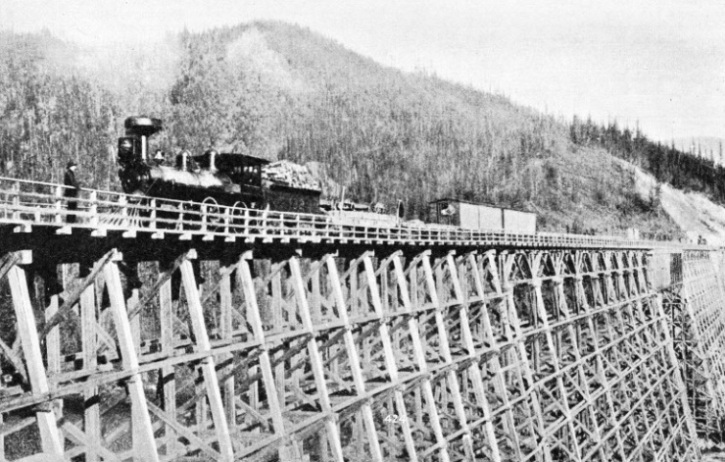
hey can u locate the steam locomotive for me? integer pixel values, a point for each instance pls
(221, 178)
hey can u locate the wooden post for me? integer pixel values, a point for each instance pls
(136, 320)
(354, 358)
(244, 275)
(505, 286)
(317, 366)
(16, 201)
(144, 445)
(469, 346)
(92, 413)
(52, 341)
(389, 356)
(58, 206)
(225, 325)
(93, 209)
(152, 217)
(278, 316)
(50, 437)
(168, 379)
(584, 306)
(540, 312)
(208, 367)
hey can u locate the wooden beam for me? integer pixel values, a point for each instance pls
(208, 366)
(168, 378)
(72, 298)
(92, 412)
(353, 357)
(318, 369)
(163, 278)
(225, 326)
(505, 283)
(245, 279)
(49, 435)
(144, 444)
(389, 356)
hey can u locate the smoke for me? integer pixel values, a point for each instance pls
(132, 72)
(251, 54)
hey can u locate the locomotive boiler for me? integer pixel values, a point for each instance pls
(222, 178)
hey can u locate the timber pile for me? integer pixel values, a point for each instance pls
(291, 175)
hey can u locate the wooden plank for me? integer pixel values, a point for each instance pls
(136, 320)
(442, 347)
(226, 328)
(52, 341)
(353, 358)
(500, 272)
(575, 341)
(163, 278)
(389, 356)
(79, 437)
(244, 276)
(144, 444)
(571, 443)
(168, 379)
(467, 339)
(318, 369)
(72, 298)
(276, 309)
(474, 370)
(208, 366)
(7, 262)
(49, 435)
(171, 422)
(92, 412)
(202, 408)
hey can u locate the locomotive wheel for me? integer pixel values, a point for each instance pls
(215, 222)
(238, 220)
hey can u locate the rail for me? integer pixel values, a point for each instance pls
(27, 204)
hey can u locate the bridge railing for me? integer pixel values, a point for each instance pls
(31, 203)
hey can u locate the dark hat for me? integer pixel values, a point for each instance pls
(72, 163)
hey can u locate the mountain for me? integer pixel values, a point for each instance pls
(283, 92)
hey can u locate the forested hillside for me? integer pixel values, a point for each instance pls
(666, 163)
(281, 91)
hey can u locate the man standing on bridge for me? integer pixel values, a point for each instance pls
(72, 186)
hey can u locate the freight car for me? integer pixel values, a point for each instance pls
(472, 215)
(220, 178)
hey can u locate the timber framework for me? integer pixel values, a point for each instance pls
(323, 346)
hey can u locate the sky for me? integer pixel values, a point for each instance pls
(659, 64)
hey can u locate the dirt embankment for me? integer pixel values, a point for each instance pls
(694, 213)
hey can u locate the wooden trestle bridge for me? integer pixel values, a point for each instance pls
(149, 330)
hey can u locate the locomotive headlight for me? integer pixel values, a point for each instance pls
(127, 149)
(126, 145)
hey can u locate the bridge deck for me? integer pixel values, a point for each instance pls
(28, 204)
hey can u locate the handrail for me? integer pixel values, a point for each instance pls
(31, 203)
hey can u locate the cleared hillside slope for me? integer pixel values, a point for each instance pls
(695, 214)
